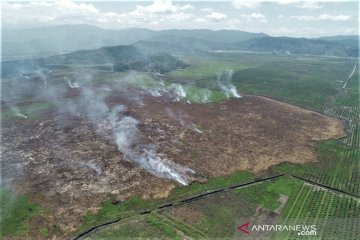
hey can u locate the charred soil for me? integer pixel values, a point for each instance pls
(69, 168)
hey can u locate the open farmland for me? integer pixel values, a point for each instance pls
(284, 200)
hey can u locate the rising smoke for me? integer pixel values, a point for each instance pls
(71, 84)
(114, 122)
(127, 137)
(183, 119)
(225, 84)
(179, 91)
(91, 166)
(111, 122)
(17, 112)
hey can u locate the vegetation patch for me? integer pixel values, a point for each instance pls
(132, 228)
(110, 211)
(267, 194)
(16, 213)
(216, 215)
(327, 210)
(337, 167)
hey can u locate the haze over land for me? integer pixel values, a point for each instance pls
(179, 120)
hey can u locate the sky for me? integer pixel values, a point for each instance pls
(277, 18)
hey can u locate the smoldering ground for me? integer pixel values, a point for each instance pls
(224, 81)
(110, 122)
(114, 139)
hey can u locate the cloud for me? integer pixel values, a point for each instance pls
(255, 17)
(201, 20)
(252, 4)
(213, 15)
(155, 14)
(40, 13)
(166, 14)
(310, 5)
(216, 16)
(240, 4)
(323, 17)
(207, 10)
(161, 7)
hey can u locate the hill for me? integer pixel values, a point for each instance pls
(175, 44)
(299, 46)
(340, 37)
(166, 43)
(220, 36)
(123, 57)
(32, 43)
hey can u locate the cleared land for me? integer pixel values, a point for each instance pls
(65, 160)
(84, 180)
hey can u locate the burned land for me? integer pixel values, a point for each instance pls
(70, 163)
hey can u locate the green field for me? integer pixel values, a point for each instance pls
(218, 216)
(301, 80)
(336, 216)
(16, 213)
(338, 167)
(134, 205)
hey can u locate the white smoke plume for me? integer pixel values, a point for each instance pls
(205, 96)
(111, 123)
(71, 84)
(92, 166)
(42, 76)
(123, 129)
(179, 92)
(17, 112)
(106, 89)
(127, 137)
(201, 96)
(183, 119)
(225, 84)
(157, 92)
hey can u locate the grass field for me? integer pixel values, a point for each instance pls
(135, 204)
(205, 67)
(30, 111)
(335, 216)
(197, 220)
(136, 227)
(149, 227)
(16, 213)
(215, 216)
(301, 80)
(267, 194)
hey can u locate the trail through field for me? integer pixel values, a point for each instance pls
(351, 74)
(329, 103)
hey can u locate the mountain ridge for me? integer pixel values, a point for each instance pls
(32, 42)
